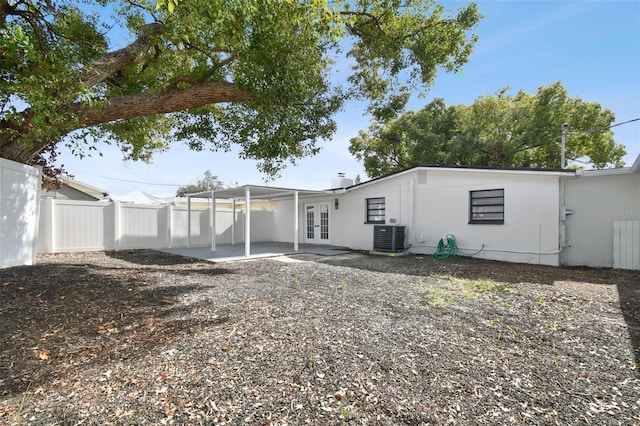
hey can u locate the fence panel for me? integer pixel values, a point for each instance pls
(81, 226)
(19, 209)
(142, 227)
(67, 225)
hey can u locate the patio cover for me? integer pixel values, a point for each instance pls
(247, 193)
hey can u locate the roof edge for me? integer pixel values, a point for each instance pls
(483, 169)
(267, 192)
(635, 168)
(636, 165)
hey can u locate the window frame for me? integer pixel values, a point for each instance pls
(478, 195)
(381, 212)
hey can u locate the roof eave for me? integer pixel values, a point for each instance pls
(546, 172)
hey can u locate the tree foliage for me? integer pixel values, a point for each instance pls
(208, 182)
(498, 131)
(212, 73)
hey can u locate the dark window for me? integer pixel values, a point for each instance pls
(375, 210)
(486, 206)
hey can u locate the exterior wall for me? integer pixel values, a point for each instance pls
(529, 234)
(283, 219)
(284, 215)
(434, 203)
(283, 223)
(67, 225)
(350, 229)
(19, 209)
(262, 224)
(596, 202)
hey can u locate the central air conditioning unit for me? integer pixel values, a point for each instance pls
(388, 238)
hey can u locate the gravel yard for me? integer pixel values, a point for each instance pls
(142, 337)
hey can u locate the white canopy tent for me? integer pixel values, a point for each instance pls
(248, 193)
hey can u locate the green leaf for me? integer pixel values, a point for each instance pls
(498, 131)
(282, 55)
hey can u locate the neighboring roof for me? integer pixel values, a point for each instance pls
(557, 172)
(73, 189)
(140, 197)
(257, 192)
(87, 189)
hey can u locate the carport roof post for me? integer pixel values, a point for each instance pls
(248, 193)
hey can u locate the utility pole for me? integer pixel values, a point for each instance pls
(563, 146)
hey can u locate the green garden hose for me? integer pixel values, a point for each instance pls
(447, 247)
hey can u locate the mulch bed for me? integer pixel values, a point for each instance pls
(142, 337)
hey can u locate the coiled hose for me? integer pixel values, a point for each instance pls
(447, 247)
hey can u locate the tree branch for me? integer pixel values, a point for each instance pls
(122, 108)
(100, 69)
(172, 100)
(361, 32)
(5, 8)
(371, 17)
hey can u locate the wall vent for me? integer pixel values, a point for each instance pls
(388, 238)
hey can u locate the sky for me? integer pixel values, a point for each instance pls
(592, 47)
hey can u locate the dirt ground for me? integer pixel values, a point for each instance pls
(142, 337)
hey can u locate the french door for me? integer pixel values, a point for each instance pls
(316, 223)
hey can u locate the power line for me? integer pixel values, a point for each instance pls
(132, 181)
(588, 132)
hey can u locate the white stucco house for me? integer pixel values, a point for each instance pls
(603, 229)
(548, 217)
(503, 214)
(509, 215)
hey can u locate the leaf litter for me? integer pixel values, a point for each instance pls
(142, 337)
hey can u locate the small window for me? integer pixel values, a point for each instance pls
(375, 210)
(486, 206)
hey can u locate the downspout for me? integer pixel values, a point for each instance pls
(562, 238)
(411, 211)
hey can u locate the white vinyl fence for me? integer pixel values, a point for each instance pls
(626, 244)
(19, 203)
(67, 225)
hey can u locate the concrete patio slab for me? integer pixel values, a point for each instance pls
(235, 252)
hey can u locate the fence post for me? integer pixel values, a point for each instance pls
(212, 220)
(116, 225)
(169, 225)
(51, 205)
